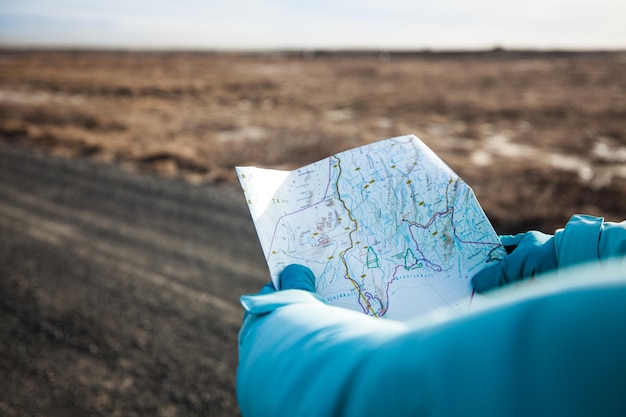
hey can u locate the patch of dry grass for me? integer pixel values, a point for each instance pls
(201, 114)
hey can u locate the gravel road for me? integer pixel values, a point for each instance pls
(119, 291)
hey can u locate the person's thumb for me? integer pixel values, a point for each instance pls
(297, 277)
(491, 277)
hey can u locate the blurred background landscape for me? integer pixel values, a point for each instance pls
(125, 240)
(538, 135)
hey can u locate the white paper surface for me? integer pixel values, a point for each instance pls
(388, 228)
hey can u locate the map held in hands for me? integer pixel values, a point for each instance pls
(388, 228)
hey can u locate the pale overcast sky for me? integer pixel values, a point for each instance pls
(294, 24)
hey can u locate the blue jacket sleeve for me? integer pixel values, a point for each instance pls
(551, 348)
(590, 239)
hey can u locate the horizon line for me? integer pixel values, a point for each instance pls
(307, 50)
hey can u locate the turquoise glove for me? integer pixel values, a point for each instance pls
(292, 277)
(267, 289)
(297, 277)
(534, 253)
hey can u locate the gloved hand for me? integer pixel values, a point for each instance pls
(266, 289)
(297, 277)
(534, 253)
(292, 277)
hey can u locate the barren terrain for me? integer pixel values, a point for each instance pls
(124, 237)
(119, 292)
(537, 135)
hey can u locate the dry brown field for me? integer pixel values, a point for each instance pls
(537, 135)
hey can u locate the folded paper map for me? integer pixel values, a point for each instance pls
(387, 228)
